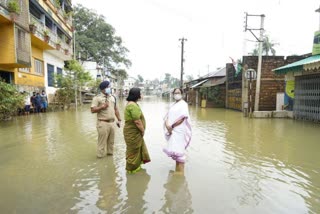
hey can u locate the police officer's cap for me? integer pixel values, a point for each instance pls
(104, 85)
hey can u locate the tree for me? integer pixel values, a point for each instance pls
(140, 78)
(121, 76)
(170, 81)
(10, 100)
(71, 82)
(189, 78)
(267, 46)
(97, 39)
(167, 79)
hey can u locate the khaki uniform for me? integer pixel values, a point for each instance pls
(105, 126)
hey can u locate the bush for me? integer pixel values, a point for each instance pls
(65, 97)
(13, 6)
(10, 100)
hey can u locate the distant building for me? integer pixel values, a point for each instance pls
(208, 90)
(91, 67)
(128, 84)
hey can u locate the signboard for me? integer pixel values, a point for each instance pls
(26, 70)
(251, 74)
(316, 43)
(289, 95)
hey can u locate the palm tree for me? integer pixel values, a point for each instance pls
(267, 46)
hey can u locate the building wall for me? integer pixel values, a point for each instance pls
(27, 78)
(7, 53)
(57, 63)
(271, 83)
(233, 88)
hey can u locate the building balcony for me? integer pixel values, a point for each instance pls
(61, 13)
(45, 39)
(5, 15)
(15, 47)
(14, 37)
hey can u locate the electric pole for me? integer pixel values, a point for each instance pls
(260, 40)
(182, 60)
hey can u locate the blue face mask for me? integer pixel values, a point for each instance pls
(107, 90)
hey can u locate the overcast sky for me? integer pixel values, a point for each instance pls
(214, 30)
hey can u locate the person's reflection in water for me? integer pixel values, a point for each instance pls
(177, 198)
(109, 195)
(137, 184)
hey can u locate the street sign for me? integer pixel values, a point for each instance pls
(251, 74)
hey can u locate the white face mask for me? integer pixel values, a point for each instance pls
(177, 96)
(107, 90)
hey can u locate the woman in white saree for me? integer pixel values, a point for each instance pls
(177, 130)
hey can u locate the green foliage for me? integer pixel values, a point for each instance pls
(46, 32)
(67, 15)
(171, 82)
(71, 82)
(97, 38)
(189, 78)
(267, 46)
(94, 85)
(10, 100)
(121, 73)
(57, 3)
(212, 94)
(13, 6)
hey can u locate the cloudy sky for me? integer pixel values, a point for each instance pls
(214, 30)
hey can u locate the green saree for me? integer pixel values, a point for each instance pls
(137, 152)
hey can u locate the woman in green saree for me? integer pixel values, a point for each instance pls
(133, 131)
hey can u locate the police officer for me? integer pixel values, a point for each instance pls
(104, 104)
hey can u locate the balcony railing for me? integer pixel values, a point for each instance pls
(65, 17)
(43, 30)
(60, 13)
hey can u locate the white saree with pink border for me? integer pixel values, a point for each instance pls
(180, 138)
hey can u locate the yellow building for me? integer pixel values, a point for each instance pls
(35, 40)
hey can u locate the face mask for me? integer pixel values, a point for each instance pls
(177, 96)
(107, 90)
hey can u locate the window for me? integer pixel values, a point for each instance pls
(21, 40)
(50, 69)
(22, 46)
(38, 67)
(59, 72)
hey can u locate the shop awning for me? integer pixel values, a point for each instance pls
(199, 83)
(311, 62)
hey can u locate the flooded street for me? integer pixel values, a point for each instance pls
(48, 164)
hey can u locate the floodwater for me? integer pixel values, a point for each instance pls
(234, 165)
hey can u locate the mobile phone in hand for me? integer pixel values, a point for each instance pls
(118, 124)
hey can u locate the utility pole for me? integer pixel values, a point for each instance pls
(260, 40)
(257, 97)
(182, 60)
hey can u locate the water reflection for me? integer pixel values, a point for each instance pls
(97, 188)
(136, 186)
(108, 186)
(177, 198)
